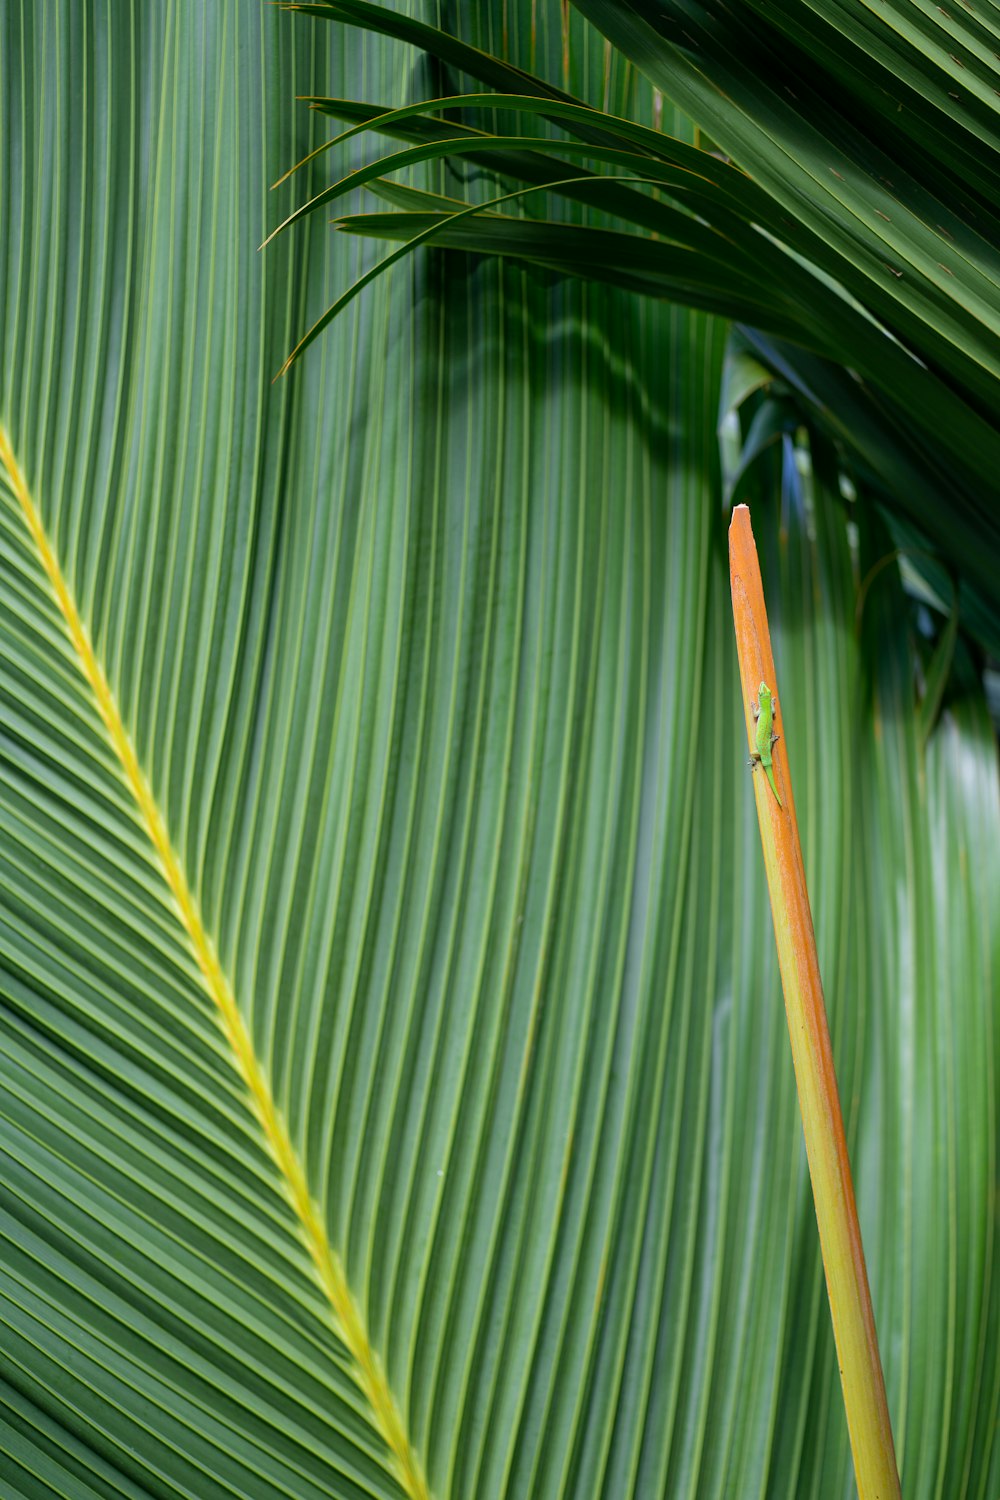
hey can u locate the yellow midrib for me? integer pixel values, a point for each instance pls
(350, 1324)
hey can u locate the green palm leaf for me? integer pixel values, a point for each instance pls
(848, 241)
(394, 1094)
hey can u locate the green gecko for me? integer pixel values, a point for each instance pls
(764, 713)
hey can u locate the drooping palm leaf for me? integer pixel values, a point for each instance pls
(904, 236)
(424, 658)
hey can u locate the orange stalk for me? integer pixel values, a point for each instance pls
(822, 1122)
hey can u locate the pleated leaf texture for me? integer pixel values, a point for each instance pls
(395, 1095)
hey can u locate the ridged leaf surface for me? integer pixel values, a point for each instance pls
(394, 1089)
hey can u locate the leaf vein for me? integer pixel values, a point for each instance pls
(349, 1320)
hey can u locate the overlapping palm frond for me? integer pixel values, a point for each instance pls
(394, 1089)
(852, 217)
